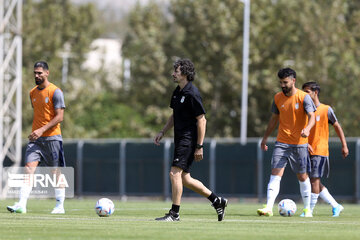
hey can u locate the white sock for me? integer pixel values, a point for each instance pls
(272, 190)
(60, 197)
(314, 198)
(305, 191)
(326, 196)
(25, 191)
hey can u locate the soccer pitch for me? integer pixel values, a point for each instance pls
(135, 220)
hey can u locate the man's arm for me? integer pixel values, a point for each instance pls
(201, 129)
(340, 133)
(58, 118)
(306, 131)
(273, 122)
(169, 124)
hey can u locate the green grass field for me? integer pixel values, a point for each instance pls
(134, 220)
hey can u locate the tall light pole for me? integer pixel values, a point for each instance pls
(10, 86)
(245, 73)
(65, 55)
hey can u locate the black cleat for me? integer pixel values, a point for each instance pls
(220, 205)
(169, 217)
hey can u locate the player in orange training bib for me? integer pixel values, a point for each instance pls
(319, 148)
(45, 141)
(293, 110)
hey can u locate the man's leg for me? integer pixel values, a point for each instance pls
(59, 195)
(326, 196)
(317, 164)
(176, 186)
(53, 154)
(272, 191)
(315, 190)
(195, 185)
(305, 191)
(177, 189)
(25, 190)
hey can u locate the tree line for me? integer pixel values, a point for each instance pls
(319, 39)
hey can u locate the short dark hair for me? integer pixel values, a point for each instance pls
(314, 86)
(286, 72)
(186, 67)
(41, 64)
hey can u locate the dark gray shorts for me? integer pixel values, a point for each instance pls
(319, 164)
(47, 153)
(297, 156)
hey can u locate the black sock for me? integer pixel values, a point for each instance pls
(175, 208)
(212, 197)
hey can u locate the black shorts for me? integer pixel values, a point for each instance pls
(183, 156)
(185, 143)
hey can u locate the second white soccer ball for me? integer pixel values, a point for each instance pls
(287, 207)
(104, 207)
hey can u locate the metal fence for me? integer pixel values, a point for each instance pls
(136, 167)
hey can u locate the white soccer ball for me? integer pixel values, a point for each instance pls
(104, 207)
(287, 207)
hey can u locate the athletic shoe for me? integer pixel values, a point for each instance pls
(337, 210)
(58, 210)
(306, 213)
(16, 208)
(265, 212)
(169, 217)
(220, 204)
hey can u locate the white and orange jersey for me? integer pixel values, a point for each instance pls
(44, 102)
(292, 116)
(319, 134)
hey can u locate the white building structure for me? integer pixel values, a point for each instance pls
(105, 55)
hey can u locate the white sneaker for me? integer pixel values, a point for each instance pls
(306, 213)
(17, 208)
(265, 211)
(58, 210)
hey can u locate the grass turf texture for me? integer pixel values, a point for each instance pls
(135, 220)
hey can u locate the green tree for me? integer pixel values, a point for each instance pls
(145, 46)
(47, 26)
(204, 31)
(213, 40)
(319, 39)
(316, 38)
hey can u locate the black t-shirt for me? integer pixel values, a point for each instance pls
(186, 105)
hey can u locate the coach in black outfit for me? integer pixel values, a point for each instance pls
(188, 120)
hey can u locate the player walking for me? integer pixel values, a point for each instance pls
(45, 141)
(188, 120)
(294, 110)
(319, 148)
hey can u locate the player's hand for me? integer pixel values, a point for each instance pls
(198, 154)
(158, 138)
(345, 152)
(263, 145)
(305, 133)
(35, 134)
(310, 149)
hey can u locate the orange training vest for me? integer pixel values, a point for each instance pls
(293, 118)
(319, 134)
(42, 102)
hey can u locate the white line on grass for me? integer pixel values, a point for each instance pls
(190, 220)
(291, 222)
